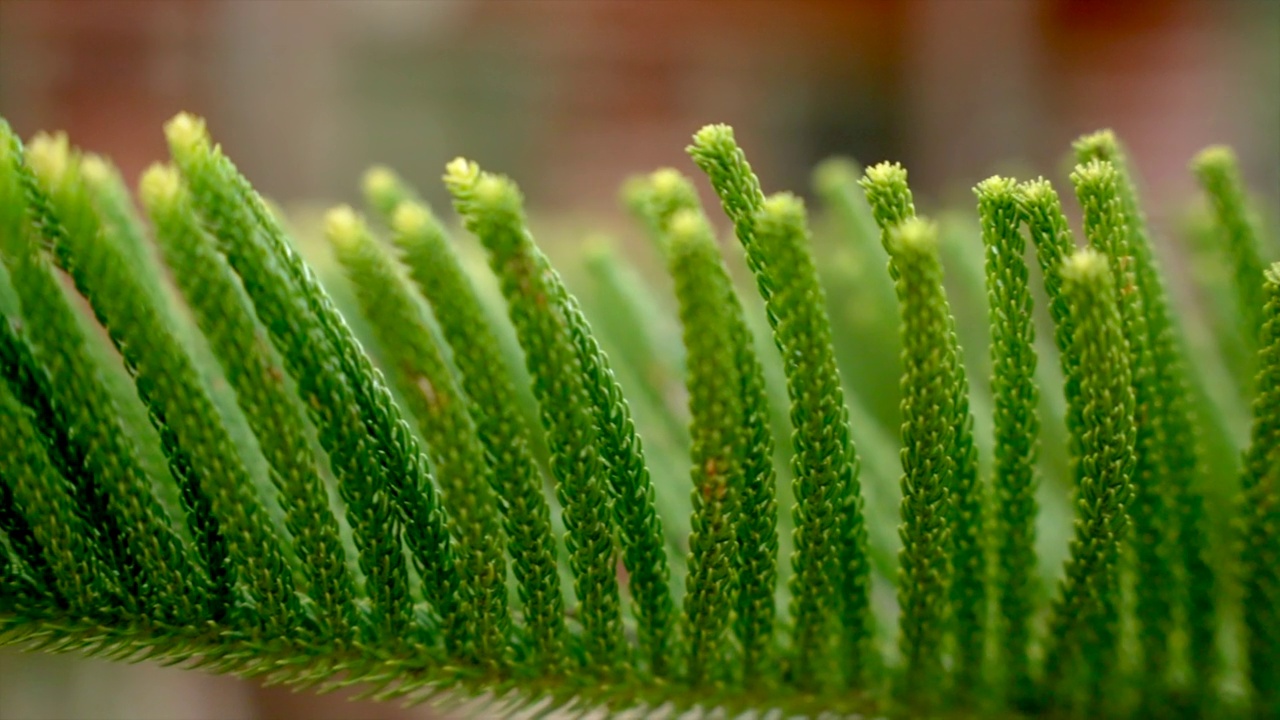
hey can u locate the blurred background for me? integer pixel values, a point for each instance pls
(569, 97)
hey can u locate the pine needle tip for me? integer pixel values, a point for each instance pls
(915, 236)
(884, 173)
(1085, 266)
(344, 227)
(996, 187)
(160, 185)
(1100, 145)
(379, 180)
(687, 224)
(50, 157)
(96, 170)
(410, 218)
(713, 135)
(186, 133)
(1094, 173)
(783, 206)
(461, 173)
(667, 181)
(1213, 159)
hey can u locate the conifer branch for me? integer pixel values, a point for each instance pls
(640, 529)
(172, 584)
(1040, 209)
(120, 221)
(825, 462)
(929, 471)
(1083, 625)
(1109, 233)
(90, 514)
(1259, 512)
(832, 573)
(385, 192)
(240, 546)
(892, 204)
(27, 564)
(436, 272)
(274, 415)
(433, 398)
(639, 526)
(1017, 427)
(263, 248)
(44, 498)
(657, 201)
(969, 536)
(492, 209)
(1219, 174)
(716, 431)
(280, 284)
(1181, 449)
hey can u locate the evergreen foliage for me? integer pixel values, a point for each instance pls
(1259, 526)
(1083, 626)
(929, 479)
(892, 206)
(274, 414)
(435, 271)
(694, 262)
(379, 503)
(830, 585)
(1219, 174)
(1017, 430)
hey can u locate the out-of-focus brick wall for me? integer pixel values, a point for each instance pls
(571, 96)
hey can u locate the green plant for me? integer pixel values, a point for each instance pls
(249, 480)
